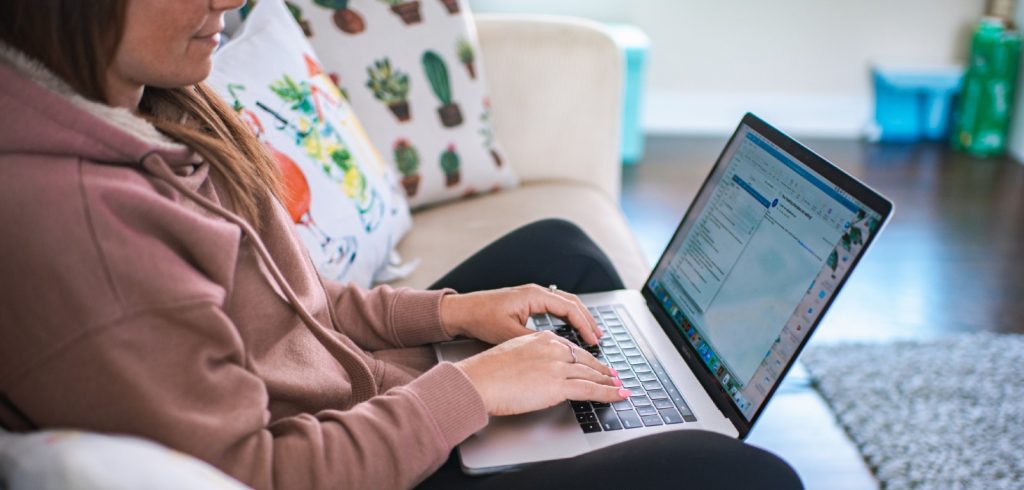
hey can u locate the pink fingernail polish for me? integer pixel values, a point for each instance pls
(624, 393)
(616, 381)
(614, 372)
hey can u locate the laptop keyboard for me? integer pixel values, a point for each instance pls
(655, 400)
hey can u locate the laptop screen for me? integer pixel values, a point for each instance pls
(766, 244)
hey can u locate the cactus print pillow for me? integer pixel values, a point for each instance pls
(344, 198)
(411, 70)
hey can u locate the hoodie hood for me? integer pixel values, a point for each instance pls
(79, 127)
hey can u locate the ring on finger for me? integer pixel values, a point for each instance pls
(572, 352)
(552, 287)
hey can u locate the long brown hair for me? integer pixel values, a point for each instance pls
(77, 41)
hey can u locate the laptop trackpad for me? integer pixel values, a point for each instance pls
(520, 439)
(506, 442)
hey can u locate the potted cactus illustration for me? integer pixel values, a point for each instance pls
(465, 52)
(408, 161)
(408, 11)
(390, 87)
(450, 166)
(487, 132)
(346, 19)
(451, 5)
(437, 74)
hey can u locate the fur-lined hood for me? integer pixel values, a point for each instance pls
(43, 114)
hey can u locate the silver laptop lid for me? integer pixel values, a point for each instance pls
(757, 260)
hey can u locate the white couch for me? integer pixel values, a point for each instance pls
(556, 91)
(556, 88)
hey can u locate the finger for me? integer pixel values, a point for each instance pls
(591, 333)
(579, 389)
(563, 350)
(563, 308)
(591, 323)
(583, 357)
(581, 371)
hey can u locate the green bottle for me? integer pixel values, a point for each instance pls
(986, 100)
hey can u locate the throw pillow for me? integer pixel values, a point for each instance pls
(342, 196)
(412, 71)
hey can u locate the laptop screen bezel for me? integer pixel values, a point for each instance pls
(835, 176)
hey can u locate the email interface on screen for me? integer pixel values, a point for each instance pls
(745, 278)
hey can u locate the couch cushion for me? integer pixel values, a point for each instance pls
(446, 235)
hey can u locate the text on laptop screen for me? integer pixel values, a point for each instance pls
(745, 278)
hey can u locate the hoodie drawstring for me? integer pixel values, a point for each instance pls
(363, 385)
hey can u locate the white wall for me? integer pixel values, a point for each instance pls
(801, 63)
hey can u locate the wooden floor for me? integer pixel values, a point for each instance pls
(951, 260)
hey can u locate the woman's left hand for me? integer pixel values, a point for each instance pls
(499, 315)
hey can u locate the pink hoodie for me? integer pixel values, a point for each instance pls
(134, 303)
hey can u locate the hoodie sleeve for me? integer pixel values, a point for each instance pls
(177, 375)
(385, 317)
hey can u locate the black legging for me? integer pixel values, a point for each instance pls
(546, 252)
(558, 252)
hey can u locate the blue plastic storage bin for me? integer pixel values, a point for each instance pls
(635, 46)
(914, 103)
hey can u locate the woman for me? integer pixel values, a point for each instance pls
(153, 284)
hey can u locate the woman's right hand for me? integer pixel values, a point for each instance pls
(537, 371)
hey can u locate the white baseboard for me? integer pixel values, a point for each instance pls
(716, 113)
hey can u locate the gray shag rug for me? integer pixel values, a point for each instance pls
(946, 413)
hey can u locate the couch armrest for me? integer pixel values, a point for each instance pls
(556, 89)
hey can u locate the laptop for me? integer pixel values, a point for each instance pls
(757, 260)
